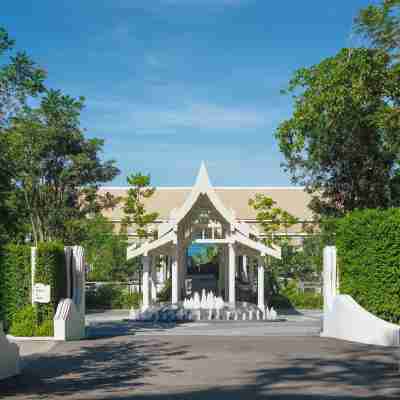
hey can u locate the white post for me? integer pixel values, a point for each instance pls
(153, 279)
(260, 286)
(175, 282)
(33, 264)
(232, 259)
(244, 267)
(251, 273)
(329, 277)
(145, 283)
(226, 273)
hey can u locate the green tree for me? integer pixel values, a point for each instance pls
(275, 223)
(272, 219)
(135, 212)
(207, 255)
(342, 141)
(55, 168)
(20, 79)
(105, 250)
(380, 25)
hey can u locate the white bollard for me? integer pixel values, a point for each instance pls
(228, 315)
(250, 315)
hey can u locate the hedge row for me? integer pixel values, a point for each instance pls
(50, 270)
(15, 280)
(368, 244)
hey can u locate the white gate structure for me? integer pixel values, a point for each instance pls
(345, 319)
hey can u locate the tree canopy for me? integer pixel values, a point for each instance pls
(53, 166)
(20, 79)
(380, 25)
(343, 139)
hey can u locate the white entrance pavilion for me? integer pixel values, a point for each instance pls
(203, 219)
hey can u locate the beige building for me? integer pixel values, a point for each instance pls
(209, 216)
(166, 199)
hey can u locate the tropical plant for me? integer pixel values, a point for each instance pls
(135, 212)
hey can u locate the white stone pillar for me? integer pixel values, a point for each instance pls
(153, 279)
(221, 271)
(244, 267)
(175, 280)
(250, 265)
(146, 283)
(226, 273)
(260, 286)
(330, 283)
(232, 270)
(33, 267)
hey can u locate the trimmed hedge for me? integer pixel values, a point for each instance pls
(112, 297)
(368, 244)
(291, 297)
(50, 270)
(15, 281)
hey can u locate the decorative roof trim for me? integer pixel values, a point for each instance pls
(202, 186)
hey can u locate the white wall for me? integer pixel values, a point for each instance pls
(345, 319)
(9, 356)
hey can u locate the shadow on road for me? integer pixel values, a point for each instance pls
(129, 368)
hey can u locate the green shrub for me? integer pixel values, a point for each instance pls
(50, 270)
(15, 281)
(166, 292)
(132, 300)
(368, 243)
(291, 297)
(112, 297)
(24, 322)
(46, 328)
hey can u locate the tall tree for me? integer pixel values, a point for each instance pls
(380, 25)
(343, 139)
(135, 212)
(20, 79)
(54, 166)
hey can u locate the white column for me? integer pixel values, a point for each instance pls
(145, 283)
(244, 266)
(250, 265)
(221, 271)
(226, 273)
(329, 277)
(231, 263)
(175, 281)
(153, 279)
(260, 269)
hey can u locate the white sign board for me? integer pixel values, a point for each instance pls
(41, 293)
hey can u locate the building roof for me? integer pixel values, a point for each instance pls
(292, 199)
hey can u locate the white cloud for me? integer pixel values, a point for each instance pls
(157, 119)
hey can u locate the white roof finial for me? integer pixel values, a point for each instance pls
(202, 180)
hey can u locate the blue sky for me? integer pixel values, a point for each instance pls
(169, 83)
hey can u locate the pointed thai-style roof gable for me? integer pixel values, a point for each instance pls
(203, 186)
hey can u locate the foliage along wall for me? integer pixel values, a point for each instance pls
(15, 280)
(50, 269)
(368, 243)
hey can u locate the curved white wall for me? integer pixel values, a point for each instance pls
(9, 357)
(347, 320)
